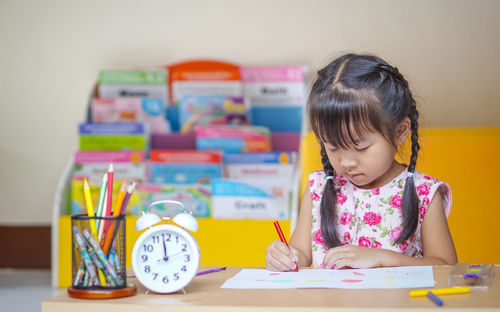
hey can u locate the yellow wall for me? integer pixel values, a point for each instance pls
(468, 159)
(222, 243)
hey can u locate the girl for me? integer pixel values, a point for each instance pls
(364, 209)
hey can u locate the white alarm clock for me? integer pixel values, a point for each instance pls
(166, 257)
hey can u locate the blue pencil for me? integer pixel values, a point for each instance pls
(435, 298)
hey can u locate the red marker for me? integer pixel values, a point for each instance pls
(283, 240)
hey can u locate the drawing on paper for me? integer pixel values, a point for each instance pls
(394, 277)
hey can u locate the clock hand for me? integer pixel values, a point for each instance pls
(165, 257)
(175, 255)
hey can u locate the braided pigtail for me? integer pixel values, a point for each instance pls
(410, 205)
(328, 204)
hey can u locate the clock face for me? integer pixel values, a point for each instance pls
(165, 258)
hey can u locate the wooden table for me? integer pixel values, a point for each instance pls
(204, 294)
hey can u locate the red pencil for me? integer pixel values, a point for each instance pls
(283, 240)
(110, 190)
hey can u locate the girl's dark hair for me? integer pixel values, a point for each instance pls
(351, 95)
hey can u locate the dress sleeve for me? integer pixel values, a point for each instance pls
(426, 188)
(445, 191)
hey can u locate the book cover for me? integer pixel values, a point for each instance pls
(130, 83)
(135, 110)
(250, 199)
(210, 110)
(275, 91)
(233, 139)
(185, 166)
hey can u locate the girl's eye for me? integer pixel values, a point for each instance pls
(361, 149)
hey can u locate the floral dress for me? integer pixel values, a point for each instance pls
(373, 217)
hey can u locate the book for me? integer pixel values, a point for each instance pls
(204, 78)
(210, 110)
(269, 165)
(113, 136)
(133, 83)
(137, 110)
(185, 166)
(275, 91)
(196, 198)
(250, 199)
(233, 139)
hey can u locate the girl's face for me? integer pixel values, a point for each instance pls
(370, 162)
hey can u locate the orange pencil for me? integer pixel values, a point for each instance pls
(119, 199)
(117, 212)
(283, 240)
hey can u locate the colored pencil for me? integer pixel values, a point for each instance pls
(283, 240)
(84, 253)
(211, 271)
(440, 291)
(102, 257)
(128, 194)
(111, 232)
(434, 298)
(90, 207)
(102, 195)
(109, 199)
(119, 199)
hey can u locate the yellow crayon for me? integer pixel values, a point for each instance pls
(440, 291)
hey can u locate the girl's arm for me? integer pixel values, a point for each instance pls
(437, 244)
(301, 237)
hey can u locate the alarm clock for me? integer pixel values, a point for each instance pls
(166, 257)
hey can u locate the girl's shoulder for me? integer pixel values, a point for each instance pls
(427, 186)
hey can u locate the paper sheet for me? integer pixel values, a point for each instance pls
(391, 277)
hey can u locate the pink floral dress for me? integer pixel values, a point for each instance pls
(372, 217)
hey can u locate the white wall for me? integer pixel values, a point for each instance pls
(51, 52)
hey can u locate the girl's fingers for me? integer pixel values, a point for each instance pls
(279, 257)
(344, 262)
(333, 256)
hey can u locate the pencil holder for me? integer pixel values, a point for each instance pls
(98, 260)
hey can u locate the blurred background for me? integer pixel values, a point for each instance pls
(52, 51)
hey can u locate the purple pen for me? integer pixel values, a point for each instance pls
(211, 271)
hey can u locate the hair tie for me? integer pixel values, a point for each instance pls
(410, 174)
(329, 178)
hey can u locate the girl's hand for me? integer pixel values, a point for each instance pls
(348, 256)
(281, 258)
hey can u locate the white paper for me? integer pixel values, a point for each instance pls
(392, 277)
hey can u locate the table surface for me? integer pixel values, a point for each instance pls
(204, 294)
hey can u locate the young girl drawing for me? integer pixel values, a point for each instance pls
(364, 209)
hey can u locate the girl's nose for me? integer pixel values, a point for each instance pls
(348, 162)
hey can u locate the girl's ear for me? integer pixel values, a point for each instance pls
(402, 130)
